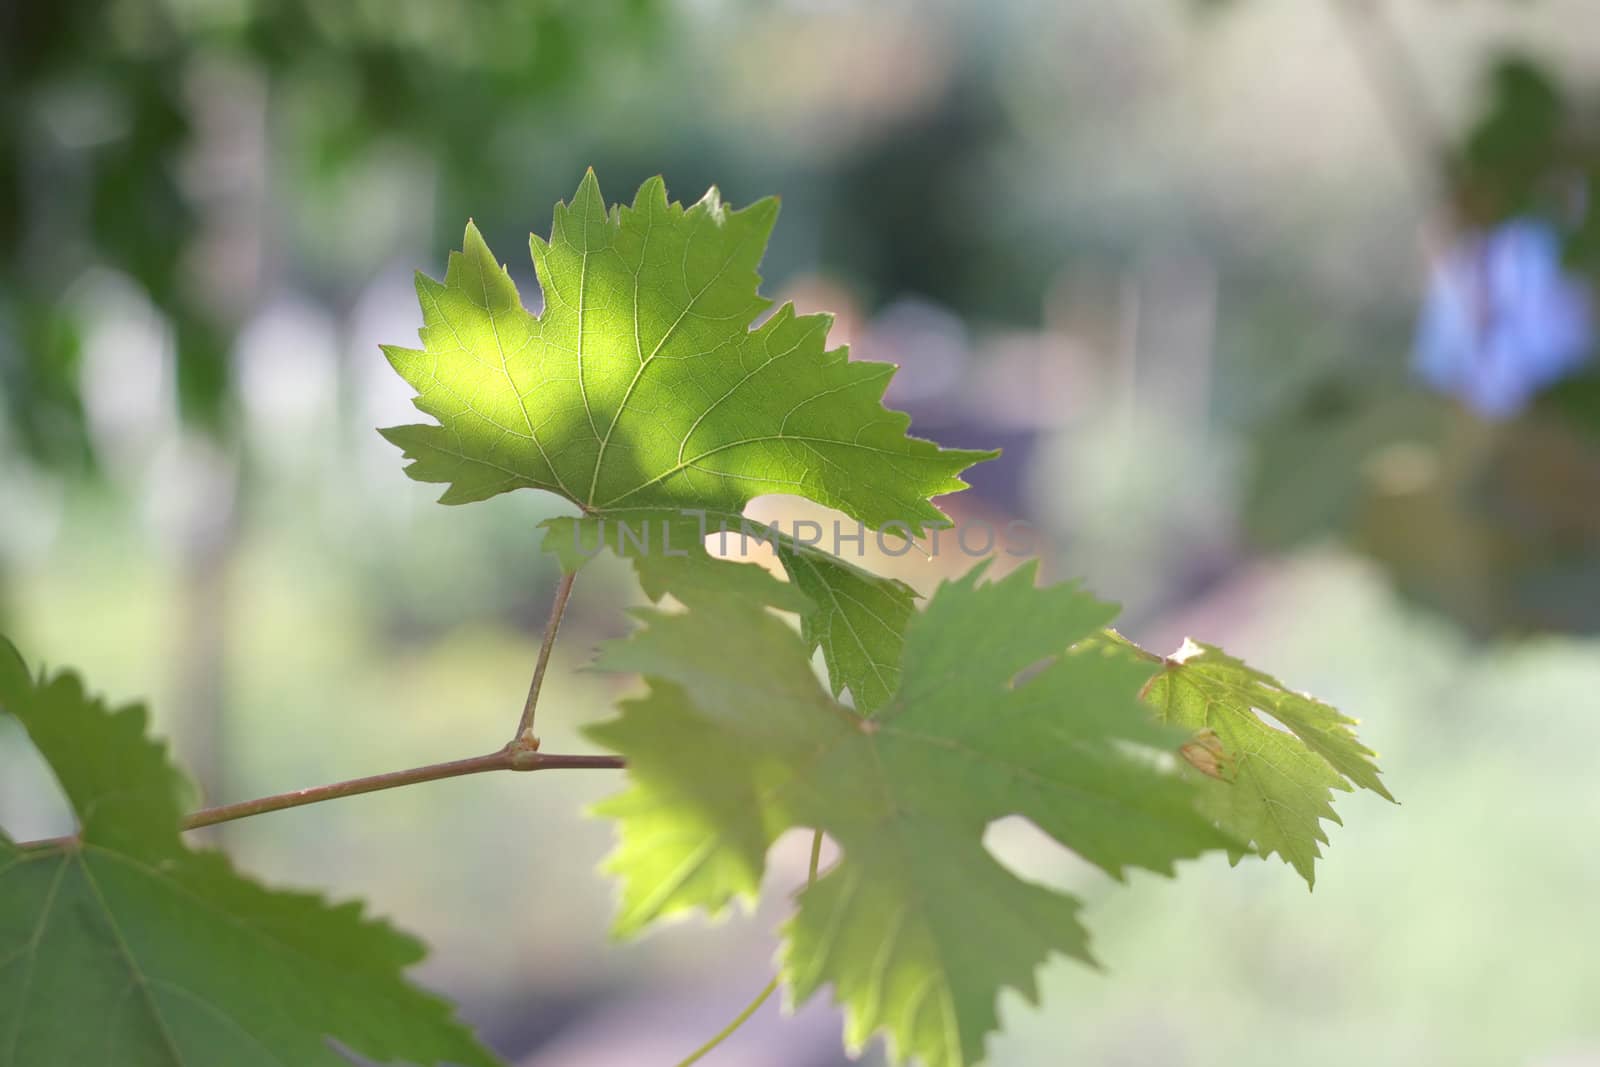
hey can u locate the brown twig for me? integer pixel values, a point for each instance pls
(511, 758)
(520, 754)
(524, 735)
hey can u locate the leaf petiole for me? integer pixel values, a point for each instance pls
(524, 735)
(766, 994)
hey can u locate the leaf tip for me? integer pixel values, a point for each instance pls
(588, 188)
(652, 193)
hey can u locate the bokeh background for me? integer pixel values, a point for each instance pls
(1281, 312)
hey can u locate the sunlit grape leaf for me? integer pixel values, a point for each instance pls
(123, 946)
(994, 713)
(1268, 784)
(856, 617)
(642, 383)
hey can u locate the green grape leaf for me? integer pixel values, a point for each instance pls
(668, 552)
(1268, 785)
(856, 617)
(1002, 705)
(642, 383)
(122, 945)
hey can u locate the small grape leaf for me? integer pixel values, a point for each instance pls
(1000, 708)
(642, 384)
(856, 617)
(1266, 785)
(668, 552)
(124, 946)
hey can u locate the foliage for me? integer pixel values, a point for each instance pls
(641, 392)
(123, 945)
(644, 397)
(1271, 755)
(651, 390)
(917, 927)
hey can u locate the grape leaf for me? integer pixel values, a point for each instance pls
(668, 552)
(856, 617)
(1267, 785)
(642, 385)
(122, 945)
(994, 713)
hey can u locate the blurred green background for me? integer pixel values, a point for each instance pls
(1171, 255)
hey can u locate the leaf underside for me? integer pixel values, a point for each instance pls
(856, 617)
(1273, 784)
(994, 713)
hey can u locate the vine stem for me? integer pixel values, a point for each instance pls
(766, 994)
(511, 758)
(520, 754)
(524, 735)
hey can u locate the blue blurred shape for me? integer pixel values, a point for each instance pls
(1503, 320)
